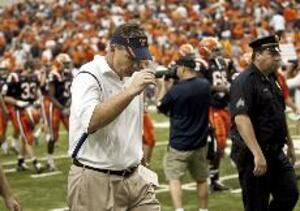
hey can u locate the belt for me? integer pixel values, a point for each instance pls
(272, 148)
(123, 173)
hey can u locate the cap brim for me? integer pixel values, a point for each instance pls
(274, 49)
(142, 53)
(267, 45)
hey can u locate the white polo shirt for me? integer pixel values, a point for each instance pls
(119, 144)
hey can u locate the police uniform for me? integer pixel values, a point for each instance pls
(260, 97)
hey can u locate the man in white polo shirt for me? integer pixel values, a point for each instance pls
(105, 139)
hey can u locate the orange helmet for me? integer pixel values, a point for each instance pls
(185, 49)
(208, 45)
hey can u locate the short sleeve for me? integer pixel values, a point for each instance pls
(241, 96)
(86, 94)
(166, 103)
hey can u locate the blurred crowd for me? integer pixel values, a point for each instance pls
(40, 30)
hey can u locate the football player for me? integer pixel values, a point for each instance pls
(218, 75)
(58, 101)
(22, 93)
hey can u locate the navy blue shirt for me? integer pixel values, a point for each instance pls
(187, 104)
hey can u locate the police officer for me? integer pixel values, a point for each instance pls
(259, 132)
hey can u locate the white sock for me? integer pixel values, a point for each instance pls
(179, 209)
(37, 132)
(5, 147)
(48, 137)
(50, 160)
(15, 143)
(202, 209)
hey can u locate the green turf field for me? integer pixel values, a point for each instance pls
(49, 193)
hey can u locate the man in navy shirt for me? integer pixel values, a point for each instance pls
(187, 104)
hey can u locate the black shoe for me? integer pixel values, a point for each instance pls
(218, 186)
(22, 167)
(38, 167)
(51, 167)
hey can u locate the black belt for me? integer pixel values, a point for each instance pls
(272, 148)
(123, 173)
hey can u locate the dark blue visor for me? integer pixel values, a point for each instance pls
(138, 45)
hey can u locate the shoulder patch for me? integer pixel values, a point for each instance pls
(240, 103)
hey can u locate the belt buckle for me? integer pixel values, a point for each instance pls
(124, 173)
(127, 172)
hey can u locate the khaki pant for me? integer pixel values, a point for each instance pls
(176, 163)
(90, 190)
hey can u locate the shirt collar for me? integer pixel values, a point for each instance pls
(103, 67)
(260, 74)
(101, 64)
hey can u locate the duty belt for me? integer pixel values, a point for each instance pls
(272, 148)
(123, 173)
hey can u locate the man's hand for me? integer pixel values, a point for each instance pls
(291, 154)
(260, 165)
(140, 80)
(12, 204)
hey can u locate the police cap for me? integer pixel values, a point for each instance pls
(269, 42)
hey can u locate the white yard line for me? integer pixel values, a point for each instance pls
(236, 190)
(47, 174)
(161, 124)
(161, 143)
(14, 162)
(10, 170)
(61, 209)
